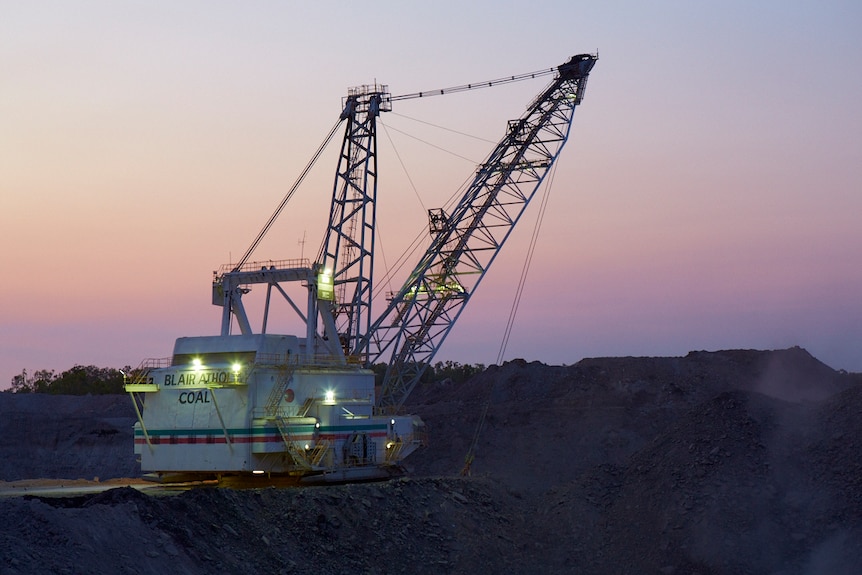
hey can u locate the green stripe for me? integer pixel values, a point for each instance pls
(368, 427)
(262, 430)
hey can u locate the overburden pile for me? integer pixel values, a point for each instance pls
(715, 463)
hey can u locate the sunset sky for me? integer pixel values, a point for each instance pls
(709, 197)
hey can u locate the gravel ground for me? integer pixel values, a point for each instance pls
(715, 463)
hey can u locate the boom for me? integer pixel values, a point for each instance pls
(465, 243)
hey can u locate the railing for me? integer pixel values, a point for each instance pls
(266, 265)
(393, 451)
(274, 412)
(295, 359)
(141, 375)
(276, 359)
(155, 363)
(318, 452)
(401, 447)
(276, 394)
(298, 456)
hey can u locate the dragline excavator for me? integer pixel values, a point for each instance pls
(305, 406)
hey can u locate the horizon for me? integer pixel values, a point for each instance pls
(518, 360)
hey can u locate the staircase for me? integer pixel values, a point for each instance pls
(304, 459)
(274, 413)
(273, 402)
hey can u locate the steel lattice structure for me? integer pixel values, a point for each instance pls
(349, 249)
(465, 242)
(420, 316)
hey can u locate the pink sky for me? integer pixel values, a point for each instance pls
(708, 198)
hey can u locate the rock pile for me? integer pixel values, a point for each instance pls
(425, 525)
(714, 463)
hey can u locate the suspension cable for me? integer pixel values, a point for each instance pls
(444, 128)
(287, 197)
(416, 243)
(432, 145)
(403, 166)
(475, 85)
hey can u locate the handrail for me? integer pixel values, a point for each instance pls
(155, 363)
(318, 360)
(268, 264)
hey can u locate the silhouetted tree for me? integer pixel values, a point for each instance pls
(457, 372)
(39, 382)
(80, 380)
(452, 370)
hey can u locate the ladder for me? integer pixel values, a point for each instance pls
(275, 413)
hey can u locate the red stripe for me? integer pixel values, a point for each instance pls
(220, 439)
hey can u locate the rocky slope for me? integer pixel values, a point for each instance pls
(717, 462)
(67, 437)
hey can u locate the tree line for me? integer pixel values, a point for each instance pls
(440, 371)
(89, 379)
(79, 380)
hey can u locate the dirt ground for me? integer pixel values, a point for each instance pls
(724, 462)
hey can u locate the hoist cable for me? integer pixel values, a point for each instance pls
(526, 268)
(471, 451)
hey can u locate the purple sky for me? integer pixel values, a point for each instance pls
(708, 198)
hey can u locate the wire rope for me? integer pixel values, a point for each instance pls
(439, 127)
(526, 267)
(471, 451)
(403, 167)
(475, 85)
(287, 196)
(415, 244)
(442, 149)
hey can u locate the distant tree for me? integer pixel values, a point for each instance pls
(80, 380)
(440, 371)
(39, 382)
(20, 383)
(456, 372)
(379, 370)
(43, 379)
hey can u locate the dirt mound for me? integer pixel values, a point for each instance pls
(547, 424)
(429, 525)
(66, 437)
(715, 463)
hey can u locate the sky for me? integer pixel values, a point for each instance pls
(708, 197)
